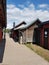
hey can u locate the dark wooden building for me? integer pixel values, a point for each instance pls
(41, 35)
(14, 32)
(2, 17)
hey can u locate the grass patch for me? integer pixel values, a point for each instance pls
(39, 50)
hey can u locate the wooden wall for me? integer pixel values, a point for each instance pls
(28, 34)
(44, 41)
(3, 13)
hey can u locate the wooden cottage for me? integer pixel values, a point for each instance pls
(2, 17)
(42, 35)
(26, 33)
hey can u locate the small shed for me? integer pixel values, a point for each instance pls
(42, 35)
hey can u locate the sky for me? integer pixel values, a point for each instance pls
(26, 10)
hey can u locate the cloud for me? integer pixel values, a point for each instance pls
(43, 5)
(28, 14)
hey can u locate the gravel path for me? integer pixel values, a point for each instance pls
(18, 54)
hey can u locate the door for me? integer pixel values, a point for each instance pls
(46, 38)
(36, 36)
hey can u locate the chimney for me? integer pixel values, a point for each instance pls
(13, 24)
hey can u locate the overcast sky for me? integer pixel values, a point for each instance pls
(26, 10)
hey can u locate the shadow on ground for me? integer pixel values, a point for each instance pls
(2, 49)
(16, 40)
